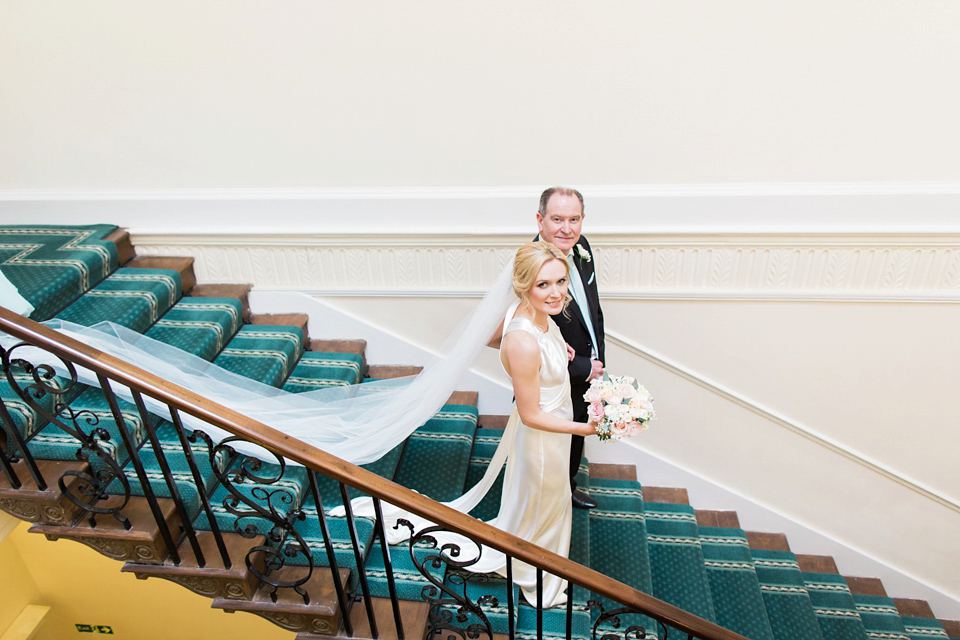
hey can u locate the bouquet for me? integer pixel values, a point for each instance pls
(619, 405)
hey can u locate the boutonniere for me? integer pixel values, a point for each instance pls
(582, 253)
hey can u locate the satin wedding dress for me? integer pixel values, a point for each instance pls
(535, 502)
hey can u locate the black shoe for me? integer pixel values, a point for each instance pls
(583, 501)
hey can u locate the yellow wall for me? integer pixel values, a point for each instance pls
(17, 587)
(82, 586)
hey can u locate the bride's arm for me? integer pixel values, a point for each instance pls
(521, 358)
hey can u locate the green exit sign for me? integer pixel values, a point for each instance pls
(94, 628)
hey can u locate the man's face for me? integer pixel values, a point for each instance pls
(560, 226)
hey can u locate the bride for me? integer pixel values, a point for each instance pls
(535, 501)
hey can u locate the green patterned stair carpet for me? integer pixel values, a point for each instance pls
(262, 487)
(320, 370)
(26, 419)
(53, 443)
(833, 603)
(737, 599)
(266, 353)
(200, 326)
(310, 530)
(618, 541)
(438, 453)
(788, 604)
(133, 298)
(676, 559)
(924, 628)
(52, 266)
(880, 617)
(485, 443)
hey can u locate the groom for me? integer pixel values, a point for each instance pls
(559, 218)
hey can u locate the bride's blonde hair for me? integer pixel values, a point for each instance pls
(526, 266)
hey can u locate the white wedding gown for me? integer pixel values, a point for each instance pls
(535, 502)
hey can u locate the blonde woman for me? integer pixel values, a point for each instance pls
(535, 503)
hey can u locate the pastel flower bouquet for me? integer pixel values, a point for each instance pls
(619, 405)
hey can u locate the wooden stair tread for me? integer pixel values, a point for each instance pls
(487, 421)
(915, 608)
(817, 564)
(237, 547)
(358, 347)
(212, 580)
(726, 519)
(613, 471)
(323, 596)
(298, 320)
(464, 397)
(414, 615)
(239, 291)
(125, 251)
(865, 586)
(48, 505)
(767, 541)
(379, 371)
(952, 627)
(183, 265)
(142, 541)
(671, 495)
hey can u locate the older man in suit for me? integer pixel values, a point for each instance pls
(559, 218)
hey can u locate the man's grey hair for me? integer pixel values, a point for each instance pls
(564, 191)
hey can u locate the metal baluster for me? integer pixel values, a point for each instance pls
(4, 461)
(331, 554)
(171, 482)
(138, 468)
(198, 479)
(569, 610)
(539, 604)
(361, 569)
(21, 444)
(388, 566)
(510, 603)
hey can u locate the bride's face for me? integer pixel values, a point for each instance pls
(549, 289)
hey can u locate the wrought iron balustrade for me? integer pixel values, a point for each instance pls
(203, 495)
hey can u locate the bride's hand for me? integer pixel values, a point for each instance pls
(590, 428)
(571, 354)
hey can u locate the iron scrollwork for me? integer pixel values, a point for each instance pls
(91, 491)
(449, 603)
(264, 501)
(612, 617)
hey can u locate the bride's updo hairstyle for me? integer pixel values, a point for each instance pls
(526, 266)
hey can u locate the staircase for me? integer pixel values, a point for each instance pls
(252, 536)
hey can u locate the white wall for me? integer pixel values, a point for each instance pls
(243, 93)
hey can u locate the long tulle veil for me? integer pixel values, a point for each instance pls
(358, 423)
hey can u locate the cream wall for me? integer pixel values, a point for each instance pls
(241, 93)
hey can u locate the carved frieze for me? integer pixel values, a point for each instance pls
(643, 266)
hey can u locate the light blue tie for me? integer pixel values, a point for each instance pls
(580, 297)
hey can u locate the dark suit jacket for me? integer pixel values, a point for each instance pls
(574, 329)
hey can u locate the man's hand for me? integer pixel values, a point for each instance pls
(596, 369)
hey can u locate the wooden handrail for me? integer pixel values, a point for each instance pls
(309, 456)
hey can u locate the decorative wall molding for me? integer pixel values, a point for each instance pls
(614, 338)
(785, 267)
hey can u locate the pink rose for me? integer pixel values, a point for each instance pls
(593, 394)
(618, 429)
(634, 429)
(596, 411)
(626, 391)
